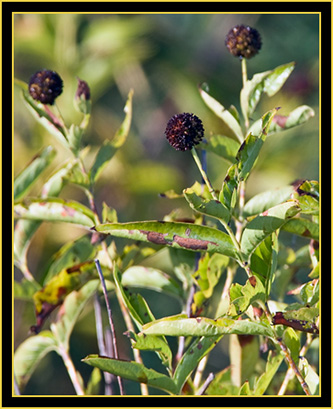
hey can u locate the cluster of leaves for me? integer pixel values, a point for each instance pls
(255, 315)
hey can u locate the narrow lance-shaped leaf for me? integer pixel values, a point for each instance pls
(181, 325)
(302, 227)
(55, 210)
(109, 148)
(191, 358)
(221, 112)
(184, 236)
(265, 224)
(272, 365)
(132, 371)
(25, 180)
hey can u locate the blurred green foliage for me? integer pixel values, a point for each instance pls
(164, 58)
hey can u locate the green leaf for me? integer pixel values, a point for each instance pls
(70, 311)
(222, 146)
(50, 122)
(211, 208)
(310, 376)
(152, 278)
(307, 195)
(141, 314)
(109, 148)
(264, 261)
(55, 210)
(280, 123)
(269, 82)
(303, 319)
(55, 291)
(221, 112)
(181, 325)
(302, 227)
(74, 135)
(71, 253)
(272, 365)
(191, 358)
(26, 179)
(241, 297)
(265, 200)
(29, 353)
(208, 275)
(94, 383)
(184, 236)
(154, 343)
(132, 371)
(245, 159)
(25, 289)
(265, 224)
(222, 384)
(292, 342)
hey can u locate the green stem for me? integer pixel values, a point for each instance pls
(214, 196)
(62, 350)
(244, 77)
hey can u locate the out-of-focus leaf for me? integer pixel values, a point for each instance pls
(222, 146)
(272, 365)
(29, 354)
(191, 358)
(94, 383)
(222, 384)
(211, 208)
(241, 297)
(25, 180)
(25, 229)
(109, 148)
(132, 371)
(302, 227)
(55, 291)
(221, 112)
(50, 122)
(109, 215)
(265, 224)
(310, 376)
(152, 278)
(71, 309)
(74, 135)
(181, 325)
(245, 389)
(184, 236)
(280, 123)
(265, 200)
(55, 210)
(269, 82)
(70, 254)
(25, 289)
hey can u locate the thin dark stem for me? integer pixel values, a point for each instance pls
(109, 311)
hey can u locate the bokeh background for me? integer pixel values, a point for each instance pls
(163, 57)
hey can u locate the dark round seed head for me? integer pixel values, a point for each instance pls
(45, 86)
(243, 41)
(183, 131)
